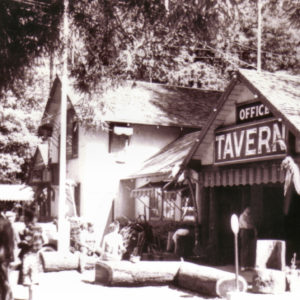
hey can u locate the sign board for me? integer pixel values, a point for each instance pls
(251, 111)
(249, 142)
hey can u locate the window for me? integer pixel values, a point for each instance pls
(172, 205)
(72, 134)
(77, 198)
(119, 142)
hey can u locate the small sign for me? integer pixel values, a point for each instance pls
(250, 142)
(252, 111)
(234, 224)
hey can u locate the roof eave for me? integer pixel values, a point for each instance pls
(267, 102)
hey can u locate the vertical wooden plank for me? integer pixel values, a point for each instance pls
(244, 176)
(230, 177)
(258, 170)
(236, 176)
(218, 178)
(265, 174)
(251, 176)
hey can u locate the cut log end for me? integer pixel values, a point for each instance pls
(225, 286)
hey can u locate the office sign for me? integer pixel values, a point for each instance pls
(251, 111)
(249, 142)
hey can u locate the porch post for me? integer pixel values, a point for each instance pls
(63, 236)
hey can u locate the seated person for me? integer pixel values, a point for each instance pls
(87, 244)
(113, 245)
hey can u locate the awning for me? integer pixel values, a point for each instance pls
(156, 190)
(243, 175)
(166, 160)
(16, 192)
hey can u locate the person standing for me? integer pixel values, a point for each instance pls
(30, 234)
(248, 239)
(11, 217)
(6, 257)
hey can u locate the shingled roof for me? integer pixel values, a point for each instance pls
(144, 103)
(172, 155)
(157, 104)
(281, 91)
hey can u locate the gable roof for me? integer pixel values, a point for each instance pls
(158, 104)
(278, 91)
(146, 103)
(281, 93)
(168, 158)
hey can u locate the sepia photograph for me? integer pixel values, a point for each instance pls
(149, 149)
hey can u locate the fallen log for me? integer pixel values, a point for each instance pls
(207, 280)
(126, 273)
(54, 261)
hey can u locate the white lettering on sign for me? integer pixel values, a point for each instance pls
(252, 111)
(250, 141)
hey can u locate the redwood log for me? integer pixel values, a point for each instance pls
(53, 261)
(126, 273)
(207, 280)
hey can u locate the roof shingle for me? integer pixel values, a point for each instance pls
(157, 104)
(282, 91)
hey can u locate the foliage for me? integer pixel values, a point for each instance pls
(141, 40)
(16, 145)
(188, 44)
(196, 43)
(20, 114)
(28, 29)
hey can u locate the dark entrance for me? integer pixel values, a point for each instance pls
(292, 228)
(272, 218)
(230, 200)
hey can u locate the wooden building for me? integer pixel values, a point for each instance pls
(238, 156)
(139, 121)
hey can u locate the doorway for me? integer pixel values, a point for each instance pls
(230, 200)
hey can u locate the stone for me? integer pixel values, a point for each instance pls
(270, 254)
(268, 281)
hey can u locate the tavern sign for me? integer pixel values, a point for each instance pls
(250, 142)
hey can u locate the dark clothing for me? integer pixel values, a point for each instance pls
(248, 248)
(6, 256)
(5, 290)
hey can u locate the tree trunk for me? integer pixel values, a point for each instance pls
(55, 261)
(208, 280)
(126, 273)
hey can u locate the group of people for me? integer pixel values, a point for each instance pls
(112, 245)
(19, 250)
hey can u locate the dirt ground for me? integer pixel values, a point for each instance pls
(71, 285)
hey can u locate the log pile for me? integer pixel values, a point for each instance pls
(201, 279)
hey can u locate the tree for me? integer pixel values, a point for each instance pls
(21, 111)
(28, 29)
(147, 39)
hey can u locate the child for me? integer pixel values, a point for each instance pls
(32, 265)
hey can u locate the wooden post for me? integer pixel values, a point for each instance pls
(259, 29)
(196, 248)
(235, 229)
(63, 239)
